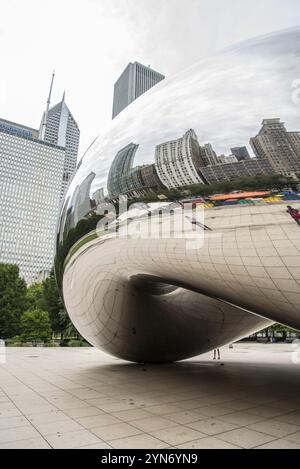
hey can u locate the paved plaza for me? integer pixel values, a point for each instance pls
(83, 398)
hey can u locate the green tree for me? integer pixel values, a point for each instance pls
(35, 297)
(35, 326)
(53, 304)
(70, 330)
(12, 300)
(60, 321)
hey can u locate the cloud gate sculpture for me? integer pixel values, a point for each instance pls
(159, 283)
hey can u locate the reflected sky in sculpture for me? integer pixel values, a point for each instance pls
(157, 299)
(223, 98)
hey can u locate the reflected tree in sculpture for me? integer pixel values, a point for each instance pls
(156, 299)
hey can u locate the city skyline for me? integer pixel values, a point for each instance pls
(184, 162)
(118, 32)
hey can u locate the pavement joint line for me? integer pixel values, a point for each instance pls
(26, 419)
(14, 374)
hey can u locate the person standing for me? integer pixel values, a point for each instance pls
(217, 352)
(295, 214)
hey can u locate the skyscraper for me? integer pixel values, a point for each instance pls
(36, 167)
(280, 147)
(18, 129)
(134, 81)
(30, 186)
(241, 153)
(231, 170)
(208, 154)
(223, 159)
(59, 127)
(178, 162)
(81, 201)
(117, 182)
(150, 178)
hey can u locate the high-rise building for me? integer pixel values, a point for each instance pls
(208, 155)
(134, 181)
(178, 162)
(280, 147)
(134, 81)
(18, 129)
(30, 186)
(223, 159)
(150, 178)
(241, 153)
(81, 202)
(59, 127)
(36, 168)
(244, 168)
(98, 196)
(117, 182)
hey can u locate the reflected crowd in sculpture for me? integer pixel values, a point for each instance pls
(156, 298)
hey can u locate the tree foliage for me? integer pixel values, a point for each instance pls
(53, 304)
(35, 326)
(271, 182)
(35, 297)
(60, 321)
(12, 300)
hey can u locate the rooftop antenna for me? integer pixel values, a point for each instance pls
(44, 125)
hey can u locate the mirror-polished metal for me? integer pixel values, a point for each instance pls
(156, 298)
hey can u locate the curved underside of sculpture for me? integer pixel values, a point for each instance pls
(164, 300)
(192, 288)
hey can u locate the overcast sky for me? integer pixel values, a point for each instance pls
(89, 43)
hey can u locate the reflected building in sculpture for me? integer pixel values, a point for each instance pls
(134, 181)
(117, 182)
(225, 159)
(81, 201)
(208, 155)
(178, 162)
(159, 298)
(244, 168)
(98, 196)
(134, 81)
(241, 153)
(150, 178)
(280, 147)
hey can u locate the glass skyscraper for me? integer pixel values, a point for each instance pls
(117, 181)
(134, 81)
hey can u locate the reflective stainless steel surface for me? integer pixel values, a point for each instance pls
(150, 299)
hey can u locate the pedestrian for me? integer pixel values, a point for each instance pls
(217, 352)
(295, 214)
